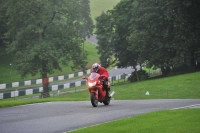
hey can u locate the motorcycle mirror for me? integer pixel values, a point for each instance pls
(84, 77)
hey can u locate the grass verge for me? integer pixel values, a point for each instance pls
(168, 121)
(181, 86)
(70, 94)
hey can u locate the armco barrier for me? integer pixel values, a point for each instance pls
(17, 93)
(39, 81)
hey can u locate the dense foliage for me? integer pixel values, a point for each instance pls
(162, 34)
(104, 33)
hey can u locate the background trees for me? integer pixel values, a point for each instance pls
(104, 33)
(43, 34)
(162, 34)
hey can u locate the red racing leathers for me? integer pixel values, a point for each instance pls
(103, 72)
(104, 75)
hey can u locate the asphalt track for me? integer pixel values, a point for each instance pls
(92, 38)
(59, 117)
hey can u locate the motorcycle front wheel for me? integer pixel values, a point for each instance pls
(94, 100)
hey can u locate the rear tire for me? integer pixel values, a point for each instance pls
(107, 100)
(94, 100)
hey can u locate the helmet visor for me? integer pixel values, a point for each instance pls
(95, 69)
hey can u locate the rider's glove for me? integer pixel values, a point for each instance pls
(102, 78)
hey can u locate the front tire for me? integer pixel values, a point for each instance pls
(94, 100)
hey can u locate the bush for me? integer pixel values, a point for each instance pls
(181, 70)
(142, 75)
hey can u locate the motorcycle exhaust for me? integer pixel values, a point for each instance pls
(112, 93)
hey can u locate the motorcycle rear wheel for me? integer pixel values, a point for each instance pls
(94, 100)
(107, 101)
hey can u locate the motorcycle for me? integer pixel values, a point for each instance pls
(97, 92)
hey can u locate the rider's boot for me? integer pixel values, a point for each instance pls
(107, 92)
(106, 88)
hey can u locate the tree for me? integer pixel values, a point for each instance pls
(163, 34)
(43, 36)
(112, 30)
(104, 36)
(121, 21)
(83, 27)
(166, 34)
(3, 21)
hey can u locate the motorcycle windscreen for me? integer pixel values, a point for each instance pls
(93, 76)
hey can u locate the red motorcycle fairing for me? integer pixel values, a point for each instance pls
(96, 86)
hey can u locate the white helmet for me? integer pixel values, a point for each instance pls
(95, 67)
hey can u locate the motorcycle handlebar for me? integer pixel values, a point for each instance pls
(101, 80)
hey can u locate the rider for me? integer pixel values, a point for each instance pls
(103, 74)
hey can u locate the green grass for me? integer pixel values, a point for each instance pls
(98, 6)
(169, 121)
(77, 95)
(182, 86)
